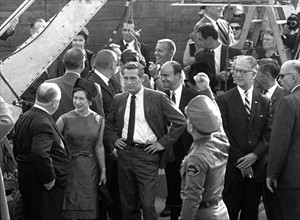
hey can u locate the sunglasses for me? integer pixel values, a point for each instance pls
(236, 28)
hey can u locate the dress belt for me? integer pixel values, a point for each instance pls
(211, 203)
(139, 145)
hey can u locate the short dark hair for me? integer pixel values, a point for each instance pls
(85, 33)
(88, 96)
(236, 20)
(208, 30)
(270, 68)
(134, 65)
(73, 58)
(176, 67)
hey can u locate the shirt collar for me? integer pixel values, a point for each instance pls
(242, 92)
(218, 49)
(295, 88)
(130, 44)
(40, 107)
(272, 89)
(103, 77)
(212, 20)
(177, 91)
(72, 72)
(139, 94)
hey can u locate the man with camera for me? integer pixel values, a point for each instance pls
(291, 34)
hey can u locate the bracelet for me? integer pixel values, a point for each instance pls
(156, 78)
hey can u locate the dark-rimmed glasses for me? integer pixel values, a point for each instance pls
(281, 76)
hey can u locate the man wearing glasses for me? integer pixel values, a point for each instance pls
(247, 122)
(283, 168)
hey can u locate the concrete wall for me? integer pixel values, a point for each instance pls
(157, 19)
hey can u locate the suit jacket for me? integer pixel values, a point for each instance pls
(245, 136)
(6, 35)
(107, 97)
(39, 149)
(185, 140)
(66, 83)
(284, 152)
(205, 55)
(145, 51)
(224, 29)
(277, 95)
(158, 109)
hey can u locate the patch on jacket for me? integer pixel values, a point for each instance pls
(193, 169)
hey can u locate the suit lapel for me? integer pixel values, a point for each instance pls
(184, 97)
(254, 106)
(239, 102)
(122, 107)
(223, 57)
(147, 103)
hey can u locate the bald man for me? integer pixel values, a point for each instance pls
(105, 68)
(42, 157)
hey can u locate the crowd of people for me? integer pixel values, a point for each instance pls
(96, 129)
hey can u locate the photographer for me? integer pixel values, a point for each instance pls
(291, 34)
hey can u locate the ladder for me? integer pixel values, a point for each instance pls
(34, 56)
(17, 13)
(273, 23)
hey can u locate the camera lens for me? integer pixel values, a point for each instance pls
(292, 23)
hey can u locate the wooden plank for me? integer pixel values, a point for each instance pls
(277, 36)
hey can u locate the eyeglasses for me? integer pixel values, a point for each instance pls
(236, 28)
(241, 71)
(281, 76)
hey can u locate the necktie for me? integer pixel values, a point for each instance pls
(131, 121)
(265, 91)
(126, 46)
(247, 105)
(110, 85)
(222, 33)
(173, 97)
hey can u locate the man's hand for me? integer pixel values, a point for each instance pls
(120, 143)
(246, 161)
(153, 70)
(247, 172)
(153, 148)
(50, 184)
(202, 81)
(271, 183)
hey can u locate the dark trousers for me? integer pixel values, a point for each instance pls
(40, 203)
(138, 172)
(173, 178)
(271, 203)
(289, 199)
(114, 210)
(242, 196)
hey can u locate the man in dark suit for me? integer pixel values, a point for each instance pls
(137, 125)
(247, 122)
(265, 82)
(171, 76)
(41, 156)
(283, 163)
(214, 53)
(11, 29)
(74, 64)
(130, 40)
(213, 15)
(105, 68)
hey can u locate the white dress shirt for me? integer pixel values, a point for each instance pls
(178, 93)
(250, 94)
(104, 78)
(142, 132)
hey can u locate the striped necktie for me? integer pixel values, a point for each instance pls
(173, 97)
(247, 105)
(223, 33)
